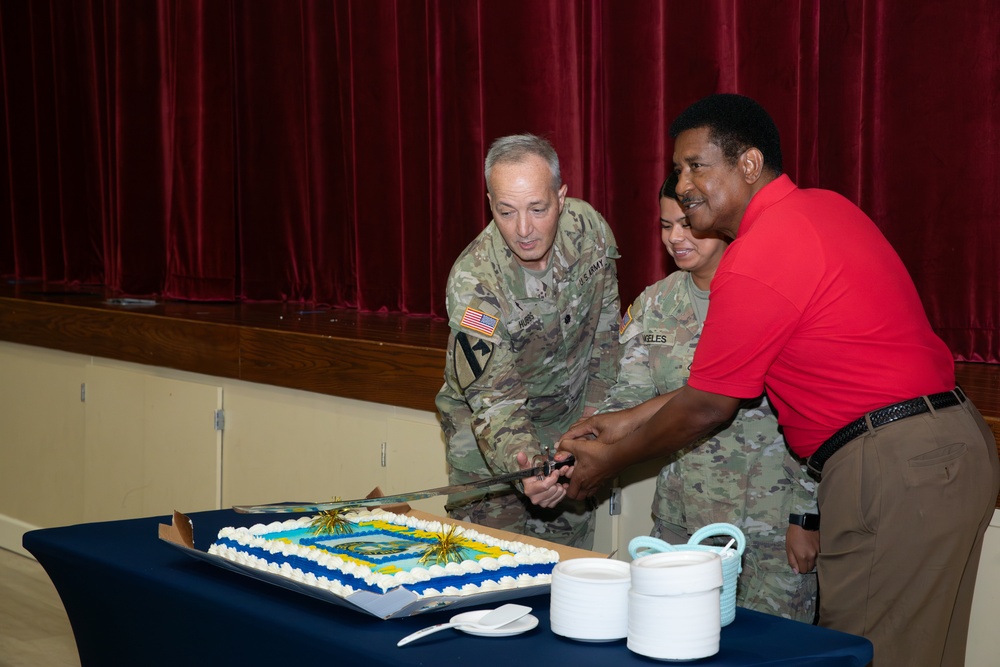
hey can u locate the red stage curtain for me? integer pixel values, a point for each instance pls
(330, 152)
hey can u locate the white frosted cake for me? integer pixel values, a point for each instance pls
(379, 551)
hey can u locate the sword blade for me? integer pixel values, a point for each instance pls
(299, 508)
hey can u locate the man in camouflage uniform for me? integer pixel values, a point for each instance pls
(742, 474)
(533, 308)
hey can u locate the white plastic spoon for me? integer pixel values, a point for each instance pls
(500, 616)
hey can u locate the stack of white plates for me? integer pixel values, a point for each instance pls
(673, 608)
(589, 599)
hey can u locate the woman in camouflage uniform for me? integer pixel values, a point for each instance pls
(742, 474)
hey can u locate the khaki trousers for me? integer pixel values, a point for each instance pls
(904, 509)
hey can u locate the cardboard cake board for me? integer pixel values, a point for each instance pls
(396, 603)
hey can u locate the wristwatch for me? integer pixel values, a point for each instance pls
(806, 521)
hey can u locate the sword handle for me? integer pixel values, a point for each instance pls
(542, 470)
(551, 465)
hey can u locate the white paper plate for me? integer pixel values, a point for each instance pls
(522, 624)
(592, 570)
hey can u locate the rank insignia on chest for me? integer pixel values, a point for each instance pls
(479, 321)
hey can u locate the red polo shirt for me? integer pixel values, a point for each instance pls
(812, 303)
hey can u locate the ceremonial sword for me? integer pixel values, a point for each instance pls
(541, 470)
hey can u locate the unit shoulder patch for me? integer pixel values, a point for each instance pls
(472, 356)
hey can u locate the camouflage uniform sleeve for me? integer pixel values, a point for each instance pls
(635, 378)
(604, 362)
(483, 401)
(482, 383)
(804, 492)
(500, 419)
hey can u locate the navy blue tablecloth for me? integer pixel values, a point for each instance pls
(134, 599)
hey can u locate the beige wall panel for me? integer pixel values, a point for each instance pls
(150, 447)
(287, 445)
(41, 435)
(183, 450)
(113, 468)
(638, 484)
(415, 457)
(984, 641)
(606, 529)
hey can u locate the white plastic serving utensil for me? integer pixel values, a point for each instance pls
(500, 616)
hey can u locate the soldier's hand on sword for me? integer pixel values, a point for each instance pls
(543, 491)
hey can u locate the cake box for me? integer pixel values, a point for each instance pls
(396, 603)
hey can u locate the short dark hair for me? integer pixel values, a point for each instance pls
(735, 124)
(669, 187)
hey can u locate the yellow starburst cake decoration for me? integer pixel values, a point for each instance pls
(331, 522)
(449, 547)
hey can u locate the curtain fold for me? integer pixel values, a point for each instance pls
(331, 152)
(196, 91)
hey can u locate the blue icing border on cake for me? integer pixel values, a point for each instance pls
(346, 578)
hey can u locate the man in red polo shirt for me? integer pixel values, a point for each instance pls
(812, 304)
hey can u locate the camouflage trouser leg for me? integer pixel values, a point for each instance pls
(669, 532)
(766, 583)
(570, 523)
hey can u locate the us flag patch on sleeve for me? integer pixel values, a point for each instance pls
(479, 321)
(626, 320)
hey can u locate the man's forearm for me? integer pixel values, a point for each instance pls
(624, 439)
(672, 421)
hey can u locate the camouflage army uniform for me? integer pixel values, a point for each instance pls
(742, 474)
(527, 352)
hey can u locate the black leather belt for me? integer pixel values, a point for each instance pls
(881, 417)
